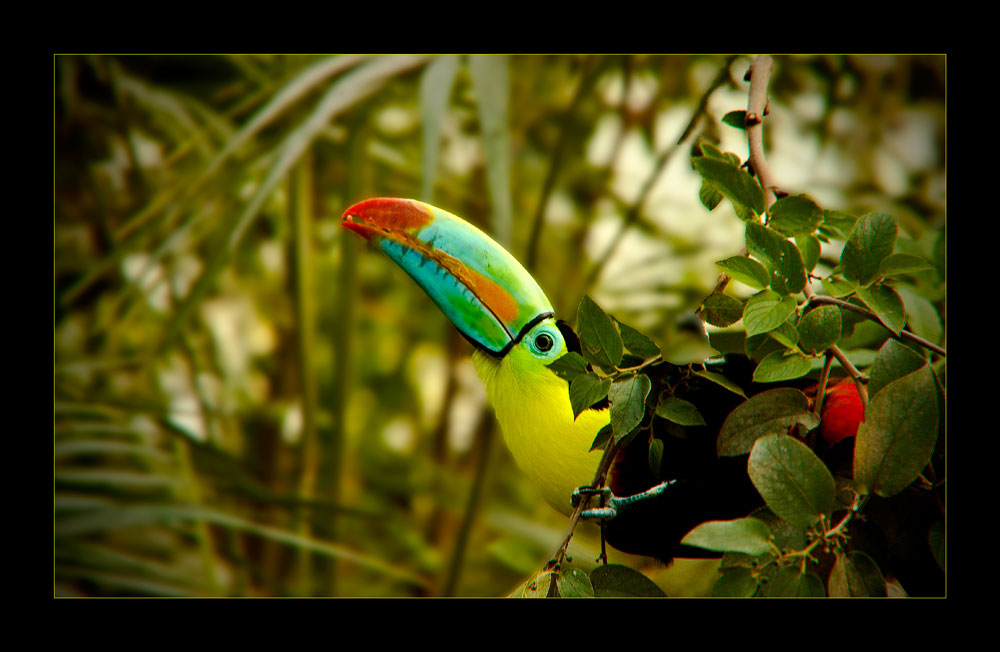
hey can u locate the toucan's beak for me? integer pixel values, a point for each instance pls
(477, 284)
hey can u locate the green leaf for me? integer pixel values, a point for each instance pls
(569, 366)
(637, 343)
(791, 582)
(895, 441)
(536, 586)
(711, 151)
(747, 535)
(747, 271)
(921, 315)
(628, 403)
(782, 257)
(617, 581)
(599, 338)
(602, 438)
(894, 360)
(574, 583)
(810, 248)
(819, 329)
(795, 215)
(779, 366)
(722, 381)
(732, 181)
(765, 311)
(722, 310)
(837, 287)
(585, 390)
(872, 239)
(736, 119)
(757, 347)
(680, 412)
(786, 334)
(856, 575)
(896, 264)
(708, 195)
(838, 224)
(886, 304)
(794, 483)
(768, 413)
(655, 456)
(735, 583)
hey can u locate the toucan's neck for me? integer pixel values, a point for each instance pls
(533, 408)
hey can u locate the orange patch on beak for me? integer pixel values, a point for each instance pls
(388, 216)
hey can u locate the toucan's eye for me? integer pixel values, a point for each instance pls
(544, 342)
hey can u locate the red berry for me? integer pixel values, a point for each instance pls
(842, 412)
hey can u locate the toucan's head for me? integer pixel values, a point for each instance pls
(489, 297)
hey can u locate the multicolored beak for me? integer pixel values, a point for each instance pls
(477, 284)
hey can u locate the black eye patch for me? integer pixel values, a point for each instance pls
(572, 341)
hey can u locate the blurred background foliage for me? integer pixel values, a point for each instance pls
(247, 403)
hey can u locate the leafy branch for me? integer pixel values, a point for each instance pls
(788, 326)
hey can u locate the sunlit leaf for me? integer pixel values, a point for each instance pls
(747, 271)
(628, 403)
(600, 339)
(765, 311)
(732, 181)
(795, 215)
(587, 389)
(747, 535)
(872, 239)
(781, 365)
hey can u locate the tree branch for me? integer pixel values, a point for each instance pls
(903, 335)
(760, 76)
(599, 478)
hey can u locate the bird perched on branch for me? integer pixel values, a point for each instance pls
(498, 307)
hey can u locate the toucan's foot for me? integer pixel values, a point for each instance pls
(585, 491)
(612, 503)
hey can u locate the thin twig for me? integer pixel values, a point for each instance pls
(599, 478)
(760, 76)
(824, 377)
(852, 371)
(903, 335)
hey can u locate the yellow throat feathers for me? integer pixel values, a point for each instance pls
(533, 408)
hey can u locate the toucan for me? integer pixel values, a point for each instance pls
(497, 306)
